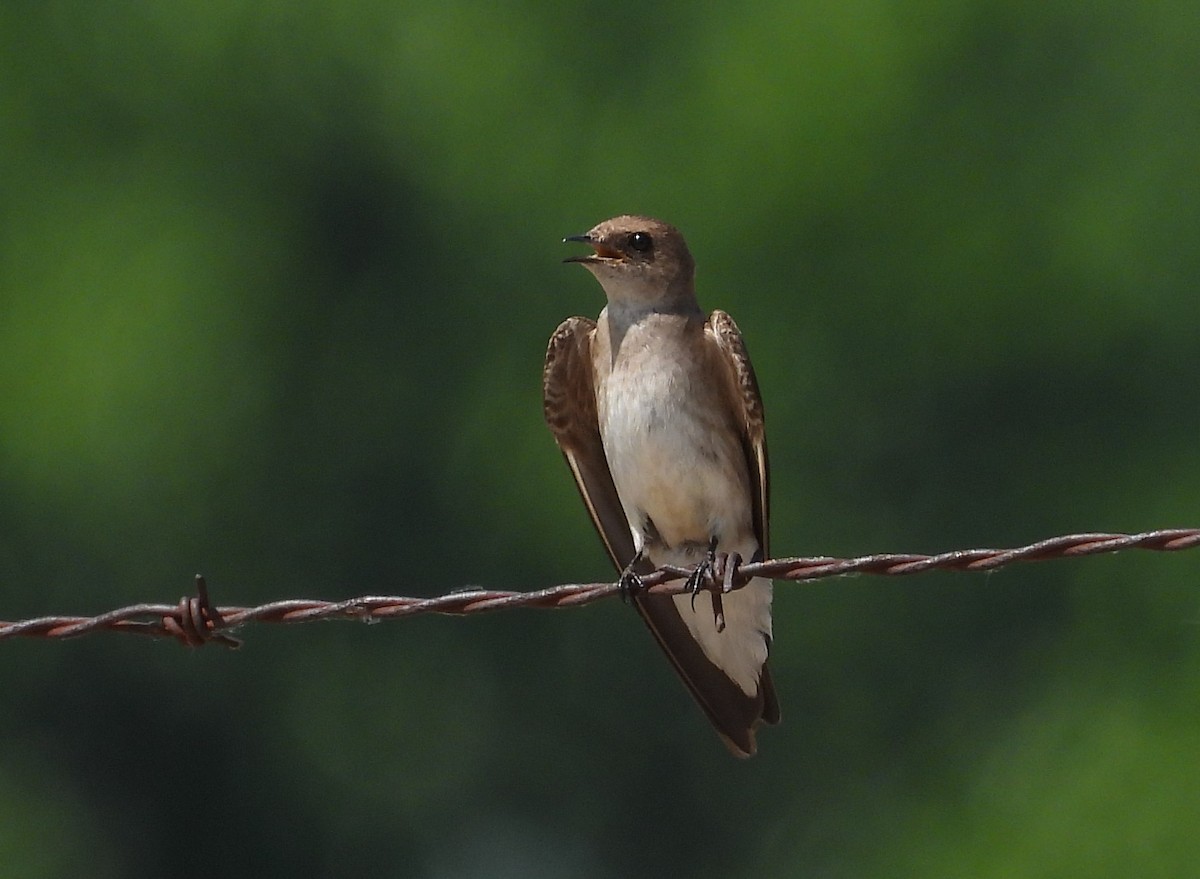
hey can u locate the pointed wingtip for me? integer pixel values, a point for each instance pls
(746, 745)
(739, 750)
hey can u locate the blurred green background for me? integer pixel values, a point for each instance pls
(275, 285)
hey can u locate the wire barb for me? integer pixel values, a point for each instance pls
(195, 622)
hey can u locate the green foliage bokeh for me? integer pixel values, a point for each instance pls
(275, 285)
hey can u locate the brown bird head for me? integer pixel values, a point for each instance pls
(639, 261)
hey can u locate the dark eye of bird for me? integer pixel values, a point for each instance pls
(641, 242)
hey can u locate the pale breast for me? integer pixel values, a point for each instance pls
(675, 458)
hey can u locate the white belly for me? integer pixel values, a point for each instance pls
(675, 462)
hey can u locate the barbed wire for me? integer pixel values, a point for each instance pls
(195, 621)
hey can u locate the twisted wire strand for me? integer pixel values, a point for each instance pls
(194, 621)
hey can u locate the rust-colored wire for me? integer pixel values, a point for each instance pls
(194, 621)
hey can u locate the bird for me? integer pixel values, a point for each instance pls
(657, 411)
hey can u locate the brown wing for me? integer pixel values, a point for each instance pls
(569, 403)
(744, 388)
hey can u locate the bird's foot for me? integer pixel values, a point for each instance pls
(725, 570)
(717, 573)
(703, 574)
(630, 583)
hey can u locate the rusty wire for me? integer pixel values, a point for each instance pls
(194, 621)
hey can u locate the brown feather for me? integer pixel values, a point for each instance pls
(743, 388)
(569, 403)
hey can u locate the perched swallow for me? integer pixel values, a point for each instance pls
(657, 412)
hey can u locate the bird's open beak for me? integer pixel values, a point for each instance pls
(601, 253)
